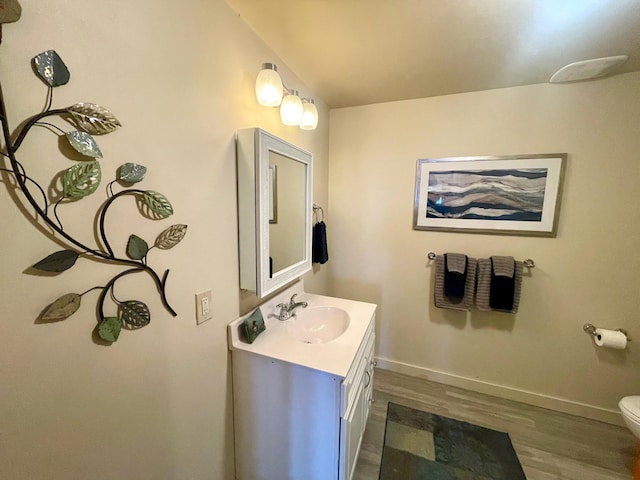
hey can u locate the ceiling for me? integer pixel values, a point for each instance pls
(358, 52)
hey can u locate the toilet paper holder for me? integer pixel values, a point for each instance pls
(591, 330)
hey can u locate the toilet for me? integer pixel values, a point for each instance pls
(630, 408)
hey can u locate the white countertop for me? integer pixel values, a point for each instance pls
(334, 357)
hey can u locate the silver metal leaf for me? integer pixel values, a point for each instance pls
(135, 313)
(62, 308)
(158, 203)
(109, 329)
(132, 172)
(82, 179)
(93, 118)
(171, 236)
(84, 143)
(51, 68)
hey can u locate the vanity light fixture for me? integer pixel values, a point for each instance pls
(291, 109)
(294, 111)
(309, 119)
(269, 86)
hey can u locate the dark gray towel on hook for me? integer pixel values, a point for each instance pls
(319, 250)
(456, 263)
(503, 275)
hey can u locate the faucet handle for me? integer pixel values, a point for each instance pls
(292, 301)
(284, 313)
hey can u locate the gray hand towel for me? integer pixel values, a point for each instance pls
(456, 262)
(505, 267)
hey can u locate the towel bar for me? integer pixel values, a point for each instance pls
(529, 263)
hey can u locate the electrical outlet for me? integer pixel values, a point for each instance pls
(203, 307)
(204, 304)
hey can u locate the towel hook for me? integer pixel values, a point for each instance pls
(317, 208)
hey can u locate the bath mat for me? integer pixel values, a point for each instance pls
(425, 446)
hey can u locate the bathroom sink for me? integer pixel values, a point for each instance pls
(319, 324)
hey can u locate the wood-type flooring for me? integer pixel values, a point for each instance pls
(549, 444)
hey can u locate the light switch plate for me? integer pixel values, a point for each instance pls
(204, 307)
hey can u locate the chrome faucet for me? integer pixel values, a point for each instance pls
(287, 310)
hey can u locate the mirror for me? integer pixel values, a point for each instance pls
(274, 208)
(287, 211)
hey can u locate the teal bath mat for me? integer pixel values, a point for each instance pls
(425, 446)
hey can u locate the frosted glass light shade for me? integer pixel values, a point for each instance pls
(309, 119)
(291, 109)
(269, 86)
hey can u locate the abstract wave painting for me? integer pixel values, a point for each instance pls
(509, 194)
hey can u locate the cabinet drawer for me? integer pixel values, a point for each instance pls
(354, 378)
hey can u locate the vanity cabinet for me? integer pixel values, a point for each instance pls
(293, 422)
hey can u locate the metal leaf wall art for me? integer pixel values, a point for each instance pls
(93, 118)
(78, 181)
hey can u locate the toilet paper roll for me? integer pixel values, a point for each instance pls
(610, 339)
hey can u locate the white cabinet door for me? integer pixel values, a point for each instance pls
(360, 392)
(351, 428)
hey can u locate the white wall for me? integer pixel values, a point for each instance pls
(156, 404)
(589, 273)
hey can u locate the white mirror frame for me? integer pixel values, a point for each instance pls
(253, 148)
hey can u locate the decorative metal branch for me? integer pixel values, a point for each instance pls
(79, 181)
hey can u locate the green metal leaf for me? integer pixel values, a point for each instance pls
(57, 262)
(109, 329)
(62, 308)
(132, 172)
(82, 179)
(171, 236)
(158, 203)
(135, 313)
(51, 68)
(93, 118)
(137, 248)
(84, 143)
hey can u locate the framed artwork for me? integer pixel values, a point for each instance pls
(517, 195)
(273, 194)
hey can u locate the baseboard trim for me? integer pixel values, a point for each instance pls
(524, 396)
